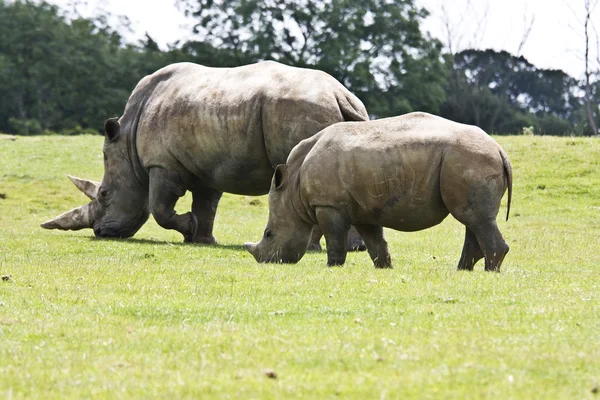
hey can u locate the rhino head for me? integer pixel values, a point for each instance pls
(286, 236)
(119, 204)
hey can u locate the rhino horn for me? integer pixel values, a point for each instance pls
(77, 218)
(89, 188)
(251, 247)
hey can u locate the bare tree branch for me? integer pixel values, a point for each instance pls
(597, 49)
(449, 29)
(455, 32)
(589, 9)
(528, 27)
(566, 4)
(481, 24)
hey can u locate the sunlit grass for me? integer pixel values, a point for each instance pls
(153, 317)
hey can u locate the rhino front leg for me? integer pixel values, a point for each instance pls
(204, 207)
(165, 189)
(376, 245)
(335, 228)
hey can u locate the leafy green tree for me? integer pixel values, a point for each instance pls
(374, 47)
(499, 91)
(68, 74)
(53, 73)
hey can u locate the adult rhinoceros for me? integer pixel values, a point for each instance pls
(206, 130)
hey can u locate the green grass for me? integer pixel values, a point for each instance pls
(150, 317)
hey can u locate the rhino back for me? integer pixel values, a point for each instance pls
(388, 171)
(229, 127)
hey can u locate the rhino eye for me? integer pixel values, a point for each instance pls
(103, 193)
(268, 233)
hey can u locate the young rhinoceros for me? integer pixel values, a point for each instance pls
(406, 173)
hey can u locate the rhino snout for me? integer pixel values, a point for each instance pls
(101, 233)
(113, 231)
(258, 254)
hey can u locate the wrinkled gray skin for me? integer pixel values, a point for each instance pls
(406, 173)
(206, 130)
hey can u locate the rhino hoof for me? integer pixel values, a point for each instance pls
(189, 238)
(205, 240)
(383, 264)
(316, 246)
(357, 246)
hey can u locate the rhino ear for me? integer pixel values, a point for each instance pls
(112, 129)
(279, 177)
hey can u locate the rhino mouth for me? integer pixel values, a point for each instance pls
(114, 229)
(111, 232)
(275, 257)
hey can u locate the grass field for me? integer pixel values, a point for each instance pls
(150, 317)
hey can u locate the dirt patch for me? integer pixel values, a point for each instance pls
(269, 373)
(3, 196)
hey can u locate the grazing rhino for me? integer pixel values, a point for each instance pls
(406, 173)
(206, 130)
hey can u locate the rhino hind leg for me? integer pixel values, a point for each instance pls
(335, 228)
(355, 242)
(204, 207)
(474, 200)
(492, 244)
(165, 190)
(315, 239)
(376, 245)
(471, 252)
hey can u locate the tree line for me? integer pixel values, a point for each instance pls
(67, 74)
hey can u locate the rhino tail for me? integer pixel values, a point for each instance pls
(351, 107)
(508, 173)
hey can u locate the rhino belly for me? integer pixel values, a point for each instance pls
(403, 211)
(399, 195)
(414, 217)
(249, 182)
(236, 176)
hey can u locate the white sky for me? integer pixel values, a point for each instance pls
(555, 40)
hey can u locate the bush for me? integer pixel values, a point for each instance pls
(528, 131)
(78, 130)
(552, 125)
(30, 127)
(25, 126)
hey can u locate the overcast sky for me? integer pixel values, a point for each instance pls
(555, 39)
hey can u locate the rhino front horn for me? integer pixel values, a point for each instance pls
(77, 218)
(89, 188)
(251, 247)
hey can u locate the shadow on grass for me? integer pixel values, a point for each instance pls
(170, 243)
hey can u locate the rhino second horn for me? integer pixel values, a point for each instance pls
(75, 219)
(89, 188)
